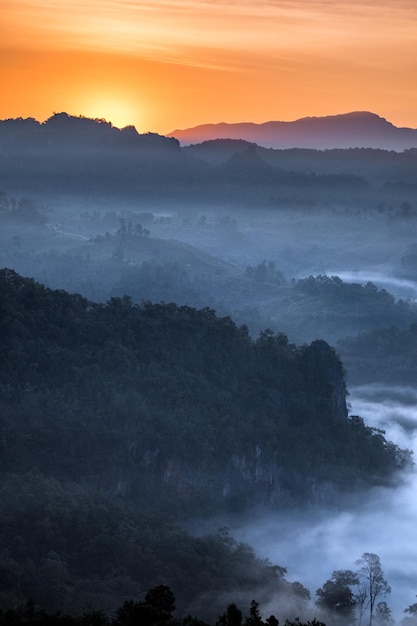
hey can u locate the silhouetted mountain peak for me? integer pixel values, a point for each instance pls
(248, 162)
(358, 129)
(352, 115)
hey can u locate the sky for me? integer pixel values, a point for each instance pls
(167, 64)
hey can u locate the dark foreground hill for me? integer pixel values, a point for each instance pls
(136, 398)
(117, 419)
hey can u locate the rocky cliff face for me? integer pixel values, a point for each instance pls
(258, 473)
(244, 482)
(324, 371)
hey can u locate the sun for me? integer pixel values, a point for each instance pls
(111, 108)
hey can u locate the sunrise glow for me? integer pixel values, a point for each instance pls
(165, 64)
(108, 106)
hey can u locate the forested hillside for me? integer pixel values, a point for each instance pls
(117, 392)
(383, 355)
(118, 419)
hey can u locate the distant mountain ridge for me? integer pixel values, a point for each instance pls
(359, 129)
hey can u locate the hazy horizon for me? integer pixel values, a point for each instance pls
(167, 65)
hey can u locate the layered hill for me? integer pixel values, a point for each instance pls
(82, 157)
(142, 399)
(359, 129)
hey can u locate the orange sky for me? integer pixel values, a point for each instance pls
(167, 64)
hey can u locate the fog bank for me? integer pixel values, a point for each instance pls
(311, 544)
(398, 287)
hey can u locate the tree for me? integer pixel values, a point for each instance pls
(361, 599)
(301, 592)
(336, 594)
(412, 609)
(383, 615)
(232, 617)
(162, 601)
(254, 618)
(371, 575)
(156, 609)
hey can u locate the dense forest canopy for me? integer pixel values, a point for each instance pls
(164, 408)
(174, 390)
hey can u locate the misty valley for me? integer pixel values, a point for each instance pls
(207, 380)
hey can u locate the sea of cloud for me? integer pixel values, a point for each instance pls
(313, 543)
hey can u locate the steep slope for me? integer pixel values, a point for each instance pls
(170, 400)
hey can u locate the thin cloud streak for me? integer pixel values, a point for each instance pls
(183, 26)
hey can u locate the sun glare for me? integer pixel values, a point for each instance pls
(117, 111)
